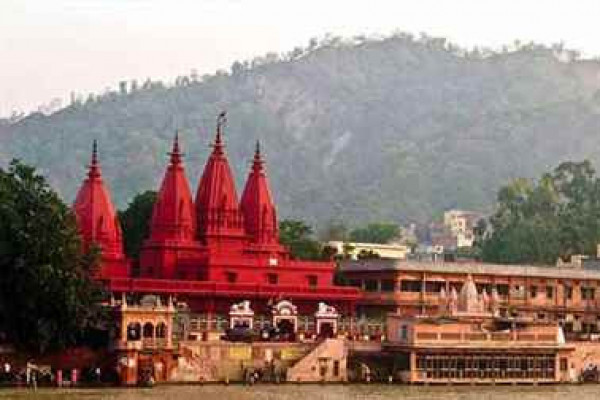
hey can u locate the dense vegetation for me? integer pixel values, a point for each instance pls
(135, 222)
(47, 300)
(362, 130)
(537, 222)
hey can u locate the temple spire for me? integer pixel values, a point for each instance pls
(257, 163)
(218, 145)
(175, 152)
(97, 220)
(217, 205)
(94, 167)
(257, 204)
(173, 215)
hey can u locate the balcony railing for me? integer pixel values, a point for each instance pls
(466, 337)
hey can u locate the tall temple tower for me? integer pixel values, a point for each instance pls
(173, 224)
(258, 208)
(220, 224)
(211, 252)
(97, 222)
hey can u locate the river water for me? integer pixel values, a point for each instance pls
(316, 392)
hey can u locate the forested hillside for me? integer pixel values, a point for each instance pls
(361, 130)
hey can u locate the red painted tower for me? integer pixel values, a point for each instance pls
(212, 253)
(258, 208)
(173, 225)
(98, 223)
(220, 222)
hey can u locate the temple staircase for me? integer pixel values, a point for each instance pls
(325, 363)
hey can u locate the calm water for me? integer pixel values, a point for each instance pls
(317, 392)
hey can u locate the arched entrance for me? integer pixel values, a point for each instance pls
(134, 331)
(326, 319)
(285, 320)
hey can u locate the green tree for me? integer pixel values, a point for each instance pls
(47, 300)
(298, 237)
(379, 232)
(537, 222)
(579, 227)
(135, 221)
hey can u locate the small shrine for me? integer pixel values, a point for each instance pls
(468, 302)
(241, 315)
(326, 319)
(285, 314)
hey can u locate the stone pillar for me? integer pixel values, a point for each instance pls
(413, 366)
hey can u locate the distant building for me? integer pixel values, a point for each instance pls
(462, 225)
(354, 250)
(456, 231)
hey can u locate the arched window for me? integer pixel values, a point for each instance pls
(161, 330)
(134, 331)
(148, 330)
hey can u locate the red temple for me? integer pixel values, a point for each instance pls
(212, 252)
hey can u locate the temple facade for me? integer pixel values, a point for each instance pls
(209, 252)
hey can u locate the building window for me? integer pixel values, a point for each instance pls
(502, 289)
(564, 364)
(388, 285)
(273, 279)
(371, 285)
(568, 292)
(410, 286)
(231, 277)
(484, 286)
(549, 292)
(434, 287)
(404, 333)
(336, 368)
(533, 292)
(588, 293)
(312, 281)
(148, 331)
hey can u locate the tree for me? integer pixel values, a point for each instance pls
(298, 237)
(379, 232)
(135, 221)
(47, 299)
(539, 222)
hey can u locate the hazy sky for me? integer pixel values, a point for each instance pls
(49, 48)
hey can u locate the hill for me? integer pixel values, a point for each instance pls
(390, 129)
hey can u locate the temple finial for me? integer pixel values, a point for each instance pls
(175, 152)
(257, 163)
(221, 121)
(94, 167)
(95, 152)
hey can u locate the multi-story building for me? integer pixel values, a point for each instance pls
(569, 296)
(457, 229)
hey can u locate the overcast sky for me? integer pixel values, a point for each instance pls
(49, 48)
